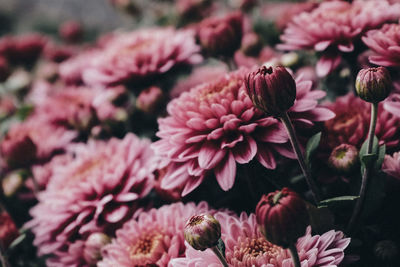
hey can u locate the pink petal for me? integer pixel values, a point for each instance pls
(327, 63)
(225, 172)
(210, 155)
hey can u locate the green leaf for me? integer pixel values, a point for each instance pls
(24, 111)
(381, 157)
(17, 241)
(342, 200)
(364, 147)
(312, 145)
(367, 159)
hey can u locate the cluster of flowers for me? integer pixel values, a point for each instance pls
(152, 147)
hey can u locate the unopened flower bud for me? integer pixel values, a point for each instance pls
(272, 90)
(18, 150)
(8, 230)
(343, 158)
(221, 36)
(282, 217)
(93, 245)
(373, 84)
(202, 231)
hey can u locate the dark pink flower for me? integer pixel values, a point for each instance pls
(8, 230)
(154, 238)
(149, 100)
(385, 42)
(246, 247)
(351, 124)
(71, 31)
(210, 129)
(96, 191)
(4, 69)
(334, 26)
(141, 54)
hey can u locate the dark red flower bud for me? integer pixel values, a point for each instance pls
(19, 151)
(343, 158)
(8, 230)
(221, 36)
(282, 217)
(27, 48)
(272, 90)
(202, 231)
(373, 84)
(71, 31)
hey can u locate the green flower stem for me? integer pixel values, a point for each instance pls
(299, 154)
(3, 258)
(295, 256)
(364, 182)
(220, 256)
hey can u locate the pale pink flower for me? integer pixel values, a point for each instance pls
(215, 125)
(245, 246)
(352, 120)
(334, 27)
(154, 238)
(392, 104)
(96, 191)
(391, 165)
(385, 42)
(142, 54)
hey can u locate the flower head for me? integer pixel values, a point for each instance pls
(154, 238)
(282, 217)
(343, 158)
(96, 191)
(93, 246)
(351, 124)
(141, 54)
(373, 84)
(246, 247)
(71, 31)
(385, 42)
(391, 165)
(272, 90)
(334, 26)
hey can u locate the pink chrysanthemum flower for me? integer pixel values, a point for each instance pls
(215, 125)
(153, 239)
(34, 139)
(334, 26)
(142, 54)
(352, 120)
(96, 191)
(385, 42)
(247, 247)
(391, 165)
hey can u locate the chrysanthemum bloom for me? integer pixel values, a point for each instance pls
(334, 26)
(391, 165)
(153, 239)
(385, 42)
(149, 100)
(215, 125)
(343, 158)
(30, 140)
(25, 48)
(8, 230)
(351, 124)
(59, 53)
(246, 247)
(79, 107)
(96, 191)
(142, 54)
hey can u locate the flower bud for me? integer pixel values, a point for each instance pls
(272, 90)
(251, 44)
(8, 230)
(93, 245)
(221, 36)
(202, 231)
(373, 84)
(282, 217)
(343, 158)
(18, 150)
